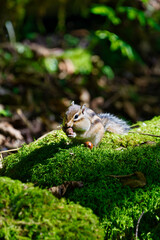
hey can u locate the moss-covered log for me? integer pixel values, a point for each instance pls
(27, 212)
(53, 159)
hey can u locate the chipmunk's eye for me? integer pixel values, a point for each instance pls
(76, 116)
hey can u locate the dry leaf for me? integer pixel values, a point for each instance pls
(2, 139)
(7, 129)
(67, 66)
(9, 136)
(133, 180)
(60, 190)
(84, 96)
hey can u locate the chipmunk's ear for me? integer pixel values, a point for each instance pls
(72, 103)
(83, 108)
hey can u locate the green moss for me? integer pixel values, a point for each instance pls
(27, 212)
(53, 160)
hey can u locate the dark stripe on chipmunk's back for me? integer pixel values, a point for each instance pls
(90, 112)
(97, 120)
(94, 118)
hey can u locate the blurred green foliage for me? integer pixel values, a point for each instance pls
(114, 16)
(117, 44)
(50, 64)
(136, 14)
(81, 60)
(23, 50)
(108, 12)
(107, 70)
(13, 11)
(5, 113)
(98, 41)
(30, 19)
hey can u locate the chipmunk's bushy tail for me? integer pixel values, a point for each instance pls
(114, 124)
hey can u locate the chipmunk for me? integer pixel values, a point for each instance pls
(83, 124)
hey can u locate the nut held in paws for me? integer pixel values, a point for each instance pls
(69, 131)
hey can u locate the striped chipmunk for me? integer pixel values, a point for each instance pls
(83, 124)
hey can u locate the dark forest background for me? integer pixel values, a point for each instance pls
(104, 53)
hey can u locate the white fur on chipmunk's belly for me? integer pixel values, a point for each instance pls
(94, 136)
(83, 133)
(85, 138)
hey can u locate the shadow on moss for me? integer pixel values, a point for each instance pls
(150, 224)
(20, 165)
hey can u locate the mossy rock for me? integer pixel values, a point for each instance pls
(27, 212)
(54, 159)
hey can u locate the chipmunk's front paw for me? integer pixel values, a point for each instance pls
(70, 133)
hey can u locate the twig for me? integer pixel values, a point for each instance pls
(1, 158)
(10, 150)
(147, 134)
(138, 224)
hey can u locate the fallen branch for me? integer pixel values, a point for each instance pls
(1, 158)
